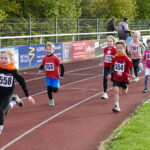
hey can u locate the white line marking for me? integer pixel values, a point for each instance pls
(49, 119)
(84, 89)
(65, 73)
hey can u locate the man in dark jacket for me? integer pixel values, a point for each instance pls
(111, 25)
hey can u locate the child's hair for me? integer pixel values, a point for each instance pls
(148, 40)
(49, 44)
(10, 54)
(137, 32)
(112, 37)
(122, 42)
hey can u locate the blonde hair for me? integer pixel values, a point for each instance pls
(49, 44)
(112, 37)
(10, 54)
(137, 33)
(122, 42)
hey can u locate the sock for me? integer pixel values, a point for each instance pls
(12, 104)
(1, 127)
(117, 104)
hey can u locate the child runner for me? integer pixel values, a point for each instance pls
(146, 57)
(8, 72)
(51, 64)
(135, 50)
(121, 65)
(109, 52)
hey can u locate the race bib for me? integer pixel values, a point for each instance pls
(148, 56)
(49, 66)
(108, 58)
(119, 67)
(6, 80)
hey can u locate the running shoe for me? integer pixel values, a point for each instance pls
(104, 96)
(116, 109)
(136, 79)
(18, 101)
(51, 102)
(144, 91)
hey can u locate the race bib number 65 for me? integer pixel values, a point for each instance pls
(49, 66)
(6, 81)
(119, 67)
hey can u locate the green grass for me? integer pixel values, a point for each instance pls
(136, 134)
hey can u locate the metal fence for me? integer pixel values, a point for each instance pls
(32, 26)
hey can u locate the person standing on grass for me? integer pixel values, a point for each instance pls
(146, 58)
(135, 48)
(121, 66)
(109, 52)
(51, 63)
(8, 72)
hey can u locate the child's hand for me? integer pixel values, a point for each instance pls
(119, 73)
(101, 64)
(40, 71)
(31, 100)
(109, 76)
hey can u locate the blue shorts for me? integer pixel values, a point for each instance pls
(55, 83)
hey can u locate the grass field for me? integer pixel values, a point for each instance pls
(136, 134)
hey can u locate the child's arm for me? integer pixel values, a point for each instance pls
(62, 70)
(23, 85)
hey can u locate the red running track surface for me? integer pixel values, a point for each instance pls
(80, 119)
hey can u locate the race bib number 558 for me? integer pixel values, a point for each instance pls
(119, 67)
(6, 80)
(49, 66)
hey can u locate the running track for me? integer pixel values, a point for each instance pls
(80, 119)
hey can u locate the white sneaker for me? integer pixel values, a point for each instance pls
(116, 109)
(104, 96)
(51, 102)
(136, 79)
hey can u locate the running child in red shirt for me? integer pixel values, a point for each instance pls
(51, 64)
(109, 52)
(121, 66)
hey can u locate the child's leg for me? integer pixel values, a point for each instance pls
(4, 104)
(116, 95)
(49, 92)
(106, 72)
(146, 82)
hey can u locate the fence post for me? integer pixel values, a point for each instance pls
(97, 28)
(77, 29)
(56, 29)
(29, 30)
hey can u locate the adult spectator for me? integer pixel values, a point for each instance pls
(123, 30)
(111, 25)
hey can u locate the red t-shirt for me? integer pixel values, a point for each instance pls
(51, 64)
(109, 54)
(122, 64)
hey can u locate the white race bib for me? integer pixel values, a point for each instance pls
(49, 66)
(108, 58)
(119, 67)
(147, 56)
(6, 80)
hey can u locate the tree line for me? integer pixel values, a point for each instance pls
(91, 9)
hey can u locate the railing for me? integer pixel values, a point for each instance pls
(40, 39)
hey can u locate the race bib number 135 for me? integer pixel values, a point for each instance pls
(49, 66)
(119, 67)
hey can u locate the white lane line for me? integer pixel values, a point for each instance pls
(47, 120)
(65, 73)
(82, 89)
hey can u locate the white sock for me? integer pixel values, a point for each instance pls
(1, 127)
(12, 104)
(117, 104)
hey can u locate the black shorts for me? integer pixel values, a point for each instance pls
(123, 85)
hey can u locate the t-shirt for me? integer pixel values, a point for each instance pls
(121, 64)
(109, 54)
(146, 57)
(51, 64)
(135, 50)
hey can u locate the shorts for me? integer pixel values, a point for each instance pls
(55, 83)
(120, 84)
(147, 71)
